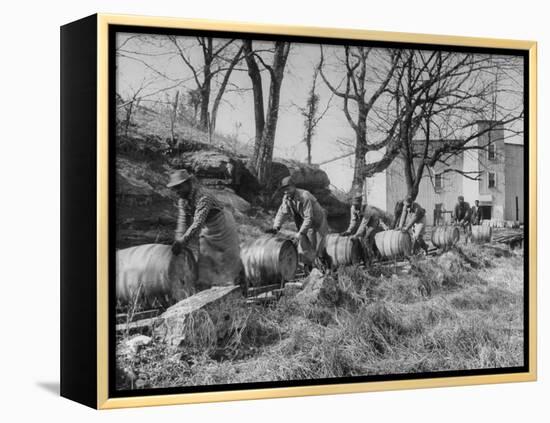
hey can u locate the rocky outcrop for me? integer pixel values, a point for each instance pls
(145, 207)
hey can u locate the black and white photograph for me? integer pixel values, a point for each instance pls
(291, 211)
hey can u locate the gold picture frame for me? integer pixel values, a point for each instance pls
(102, 398)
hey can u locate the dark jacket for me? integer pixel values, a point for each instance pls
(363, 218)
(462, 212)
(475, 215)
(416, 209)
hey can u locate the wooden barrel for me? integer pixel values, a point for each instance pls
(481, 233)
(269, 260)
(343, 250)
(392, 244)
(153, 272)
(445, 236)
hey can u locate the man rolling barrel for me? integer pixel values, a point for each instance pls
(410, 215)
(203, 220)
(462, 215)
(364, 224)
(310, 219)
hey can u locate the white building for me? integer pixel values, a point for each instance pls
(500, 188)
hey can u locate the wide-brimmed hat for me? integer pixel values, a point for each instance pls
(285, 182)
(178, 177)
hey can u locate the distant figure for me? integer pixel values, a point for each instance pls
(310, 219)
(438, 216)
(410, 215)
(461, 217)
(364, 225)
(199, 212)
(475, 214)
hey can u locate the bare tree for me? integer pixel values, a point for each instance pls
(311, 114)
(173, 117)
(194, 100)
(265, 122)
(362, 67)
(131, 103)
(440, 96)
(213, 64)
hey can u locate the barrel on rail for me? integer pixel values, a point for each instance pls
(481, 233)
(343, 250)
(393, 244)
(445, 236)
(269, 260)
(151, 272)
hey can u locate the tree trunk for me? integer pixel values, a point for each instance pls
(205, 87)
(361, 149)
(128, 118)
(360, 164)
(221, 90)
(257, 91)
(266, 125)
(264, 157)
(205, 99)
(174, 116)
(308, 144)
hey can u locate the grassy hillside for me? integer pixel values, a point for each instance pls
(145, 155)
(459, 310)
(444, 313)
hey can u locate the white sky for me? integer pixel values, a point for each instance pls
(237, 108)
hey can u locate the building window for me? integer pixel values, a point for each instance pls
(492, 180)
(438, 182)
(491, 152)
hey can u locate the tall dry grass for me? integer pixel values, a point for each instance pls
(445, 313)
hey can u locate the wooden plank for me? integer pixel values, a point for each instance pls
(139, 315)
(139, 326)
(181, 309)
(251, 292)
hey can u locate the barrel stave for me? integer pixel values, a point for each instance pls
(153, 272)
(445, 236)
(269, 259)
(342, 250)
(393, 243)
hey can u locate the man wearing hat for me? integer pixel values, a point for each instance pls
(411, 215)
(462, 215)
(310, 219)
(202, 216)
(364, 224)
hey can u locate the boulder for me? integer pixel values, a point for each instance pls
(308, 176)
(330, 203)
(217, 169)
(200, 312)
(209, 164)
(231, 200)
(132, 346)
(305, 176)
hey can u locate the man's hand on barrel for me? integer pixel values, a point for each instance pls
(177, 247)
(346, 233)
(296, 238)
